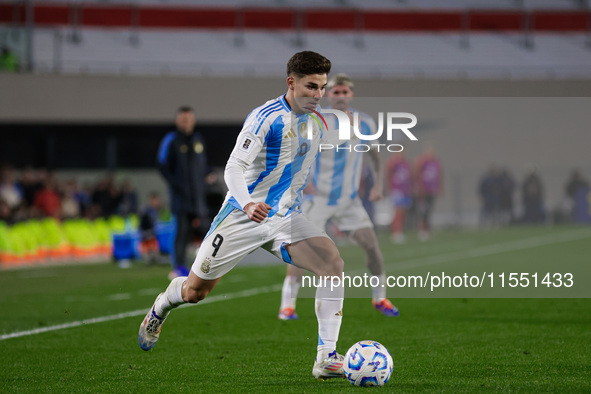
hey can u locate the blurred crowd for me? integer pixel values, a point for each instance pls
(498, 186)
(496, 191)
(37, 193)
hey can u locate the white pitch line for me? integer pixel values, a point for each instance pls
(119, 297)
(139, 312)
(147, 292)
(419, 262)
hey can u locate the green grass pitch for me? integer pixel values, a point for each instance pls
(234, 342)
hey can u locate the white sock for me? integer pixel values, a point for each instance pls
(289, 292)
(379, 292)
(172, 297)
(329, 311)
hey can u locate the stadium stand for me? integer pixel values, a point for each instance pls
(100, 63)
(369, 4)
(421, 38)
(399, 55)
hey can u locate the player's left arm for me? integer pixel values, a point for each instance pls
(375, 194)
(310, 189)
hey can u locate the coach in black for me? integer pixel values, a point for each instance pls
(183, 163)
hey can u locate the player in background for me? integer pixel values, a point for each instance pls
(399, 176)
(265, 174)
(428, 175)
(334, 196)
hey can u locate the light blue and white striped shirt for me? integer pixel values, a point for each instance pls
(277, 154)
(337, 173)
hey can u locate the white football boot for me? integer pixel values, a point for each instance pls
(330, 367)
(150, 327)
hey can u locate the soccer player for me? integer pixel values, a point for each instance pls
(265, 174)
(429, 184)
(399, 175)
(334, 196)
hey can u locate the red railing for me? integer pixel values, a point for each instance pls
(122, 16)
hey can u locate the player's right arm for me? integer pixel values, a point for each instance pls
(257, 211)
(248, 145)
(234, 176)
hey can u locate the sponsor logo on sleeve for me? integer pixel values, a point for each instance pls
(246, 144)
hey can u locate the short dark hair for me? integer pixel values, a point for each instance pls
(307, 63)
(185, 108)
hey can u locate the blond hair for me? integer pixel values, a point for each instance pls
(339, 79)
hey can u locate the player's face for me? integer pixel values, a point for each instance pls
(185, 122)
(308, 91)
(340, 97)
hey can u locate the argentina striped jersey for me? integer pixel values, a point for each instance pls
(337, 173)
(277, 154)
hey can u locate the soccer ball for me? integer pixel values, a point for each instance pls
(368, 363)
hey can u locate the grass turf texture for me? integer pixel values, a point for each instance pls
(238, 345)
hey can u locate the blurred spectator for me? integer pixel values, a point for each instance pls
(490, 197)
(48, 200)
(82, 197)
(100, 196)
(575, 183)
(216, 192)
(428, 175)
(5, 213)
(491, 190)
(533, 198)
(507, 184)
(113, 200)
(106, 197)
(29, 185)
(399, 176)
(148, 218)
(70, 206)
(128, 202)
(42, 176)
(10, 192)
(182, 161)
(8, 60)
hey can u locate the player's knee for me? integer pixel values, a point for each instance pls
(194, 295)
(374, 256)
(335, 266)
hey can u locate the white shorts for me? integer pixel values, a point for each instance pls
(233, 235)
(347, 217)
